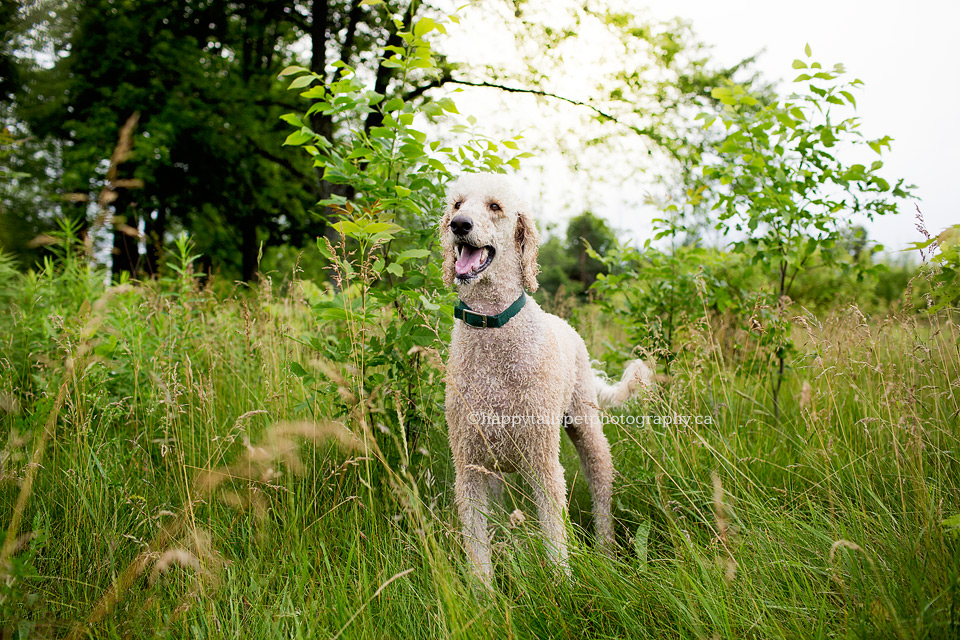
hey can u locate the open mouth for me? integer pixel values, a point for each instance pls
(471, 260)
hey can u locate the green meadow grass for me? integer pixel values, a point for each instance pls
(165, 472)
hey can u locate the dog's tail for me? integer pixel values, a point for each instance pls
(638, 373)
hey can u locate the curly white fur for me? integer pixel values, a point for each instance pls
(510, 389)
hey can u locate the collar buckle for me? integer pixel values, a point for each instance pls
(481, 319)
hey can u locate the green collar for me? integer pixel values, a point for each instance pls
(474, 319)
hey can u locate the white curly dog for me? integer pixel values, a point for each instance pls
(516, 374)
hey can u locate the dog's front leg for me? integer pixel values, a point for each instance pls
(550, 493)
(472, 495)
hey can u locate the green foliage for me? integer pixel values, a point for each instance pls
(567, 262)
(787, 190)
(28, 192)
(943, 268)
(656, 295)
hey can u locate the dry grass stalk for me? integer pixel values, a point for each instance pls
(724, 531)
(199, 555)
(9, 403)
(279, 443)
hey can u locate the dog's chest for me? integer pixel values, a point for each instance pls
(496, 370)
(510, 373)
(507, 390)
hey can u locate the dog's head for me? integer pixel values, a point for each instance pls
(487, 233)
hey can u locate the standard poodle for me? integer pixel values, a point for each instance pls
(516, 374)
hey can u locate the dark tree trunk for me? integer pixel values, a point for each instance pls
(318, 36)
(126, 249)
(249, 248)
(155, 231)
(583, 268)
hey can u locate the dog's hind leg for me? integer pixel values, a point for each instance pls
(585, 430)
(497, 484)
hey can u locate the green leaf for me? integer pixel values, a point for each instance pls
(395, 269)
(302, 81)
(640, 542)
(297, 369)
(294, 68)
(411, 254)
(951, 525)
(807, 50)
(347, 227)
(423, 27)
(298, 137)
(370, 3)
(333, 313)
(109, 345)
(723, 94)
(381, 237)
(429, 306)
(799, 64)
(292, 118)
(380, 227)
(447, 104)
(323, 249)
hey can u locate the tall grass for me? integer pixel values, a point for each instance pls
(164, 472)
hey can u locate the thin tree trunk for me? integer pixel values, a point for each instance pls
(781, 364)
(126, 249)
(250, 248)
(155, 231)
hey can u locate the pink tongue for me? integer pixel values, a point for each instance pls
(468, 261)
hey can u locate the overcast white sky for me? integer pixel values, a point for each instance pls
(907, 54)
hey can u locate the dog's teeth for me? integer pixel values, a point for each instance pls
(483, 255)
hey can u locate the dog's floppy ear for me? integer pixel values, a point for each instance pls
(528, 240)
(447, 268)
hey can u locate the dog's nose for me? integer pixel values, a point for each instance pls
(461, 225)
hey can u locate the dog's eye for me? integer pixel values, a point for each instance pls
(456, 205)
(494, 206)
